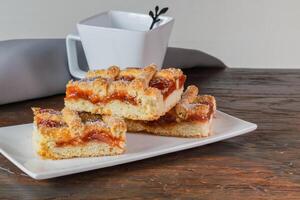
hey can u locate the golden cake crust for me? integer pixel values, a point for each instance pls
(109, 73)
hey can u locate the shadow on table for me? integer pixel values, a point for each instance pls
(188, 58)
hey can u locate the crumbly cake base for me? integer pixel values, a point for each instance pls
(182, 129)
(47, 149)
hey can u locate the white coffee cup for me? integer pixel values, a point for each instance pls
(119, 38)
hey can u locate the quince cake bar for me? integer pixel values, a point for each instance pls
(191, 117)
(67, 134)
(133, 93)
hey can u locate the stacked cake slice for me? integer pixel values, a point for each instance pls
(100, 107)
(137, 94)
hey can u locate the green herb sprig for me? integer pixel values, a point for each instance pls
(156, 14)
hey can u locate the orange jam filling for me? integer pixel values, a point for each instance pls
(74, 92)
(93, 135)
(168, 118)
(181, 81)
(171, 117)
(166, 86)
(196, 117)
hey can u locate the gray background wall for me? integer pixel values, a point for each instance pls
(242, 33)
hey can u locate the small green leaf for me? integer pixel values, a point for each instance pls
(156, 9)
(151, 14)
(163, 11)
(155, 16)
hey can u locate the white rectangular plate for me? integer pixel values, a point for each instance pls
(15, 145)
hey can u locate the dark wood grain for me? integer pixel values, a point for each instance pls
(264, 164)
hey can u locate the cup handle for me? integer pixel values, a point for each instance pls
(72, 56)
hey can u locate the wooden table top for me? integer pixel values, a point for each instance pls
(264, 164)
